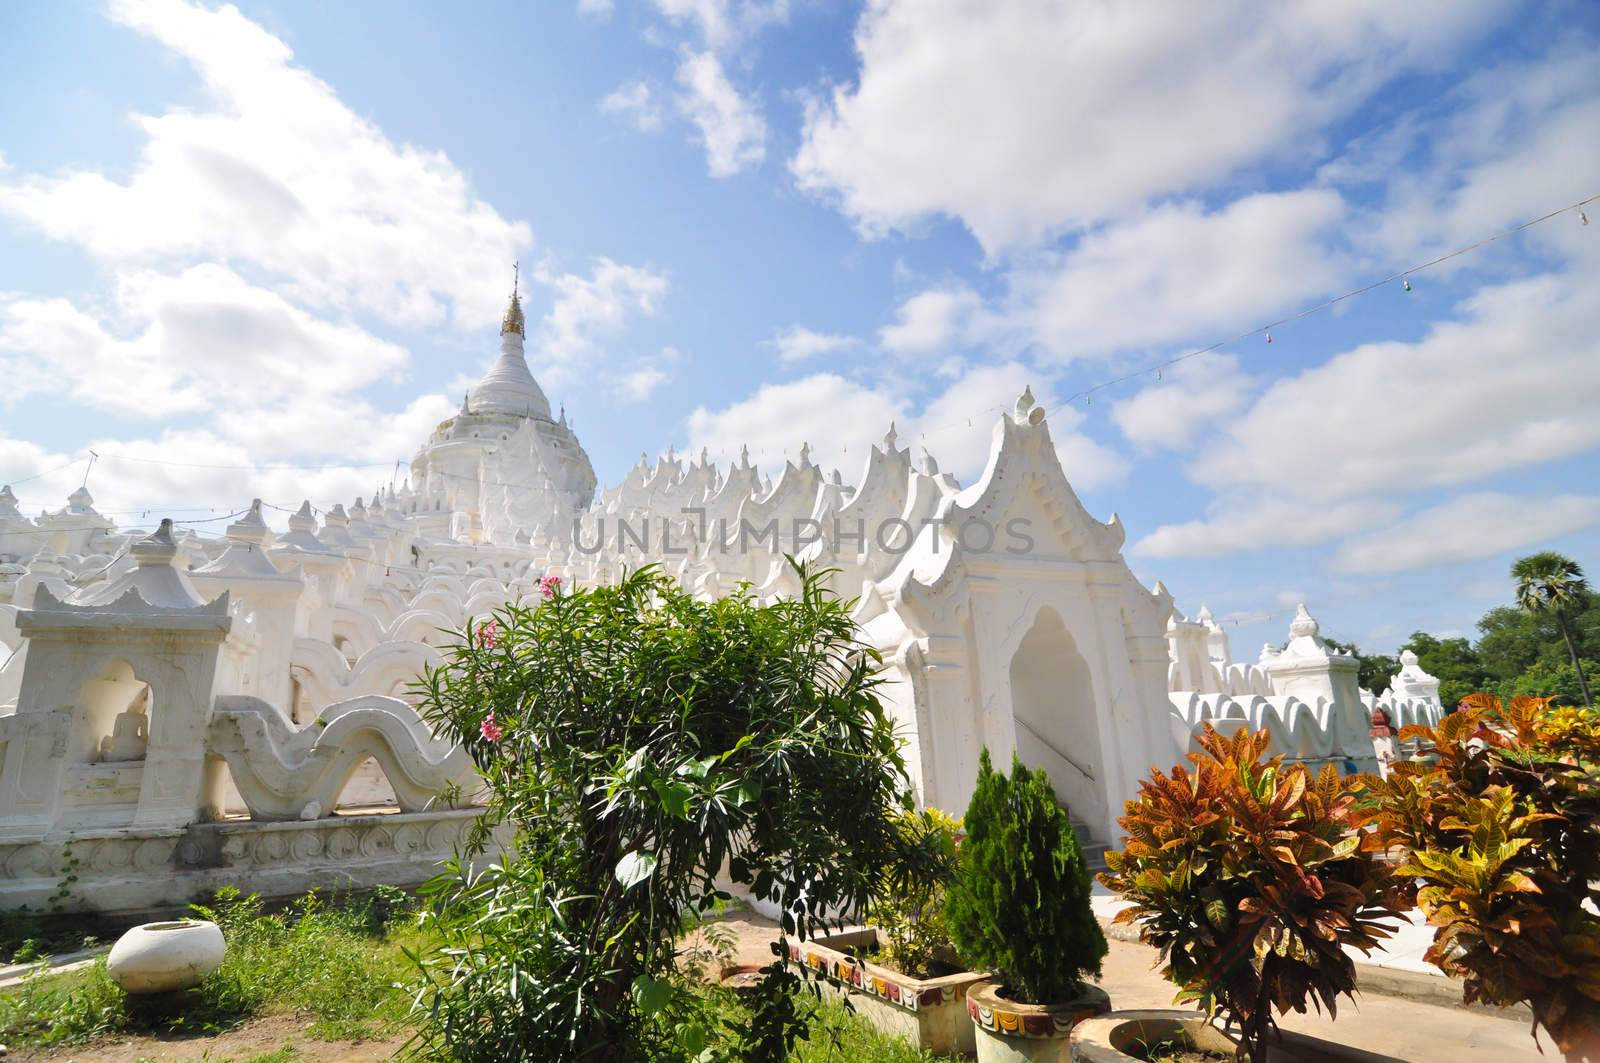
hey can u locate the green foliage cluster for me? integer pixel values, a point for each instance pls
(635, 741)
(1019, 904)
(1501, 846)
(1543, 646)
(338, 963)
(1249, 877)
(908, 903)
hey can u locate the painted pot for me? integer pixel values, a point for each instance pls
(1114, 1038)
(1009, 1031)
(928, 1012)
(165, 957)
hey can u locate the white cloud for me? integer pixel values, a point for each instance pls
(731, 127)
(1169, 274)
(596, 9)
(840, 418)
(1467, 528)
(635, 101)
(724, 22)
(281, 174)
(1191, 397)
(1025, 118)
(192, 475)
(640, 382)
(1234, 526)
(798, 343)
(205, 340)
(1177, 271)
(1514, 143)
(589, 309)
(933, 320)
(1509, 383)
(960, 422)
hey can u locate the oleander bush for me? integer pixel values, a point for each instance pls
(1018, 906)
(1500, 839)
(1249, 876)
(636, 741)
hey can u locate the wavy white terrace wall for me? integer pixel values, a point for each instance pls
(199, 711)
(1304, 694)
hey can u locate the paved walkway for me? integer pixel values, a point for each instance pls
(1402, 952)
(1401, 1028)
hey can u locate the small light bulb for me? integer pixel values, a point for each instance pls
(1406, 284)
(1269, 337)
(1582, 217)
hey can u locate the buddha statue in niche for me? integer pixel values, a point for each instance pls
(130, 732)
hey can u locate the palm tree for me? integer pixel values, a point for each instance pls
(1548, 582)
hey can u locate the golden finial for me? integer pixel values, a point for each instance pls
(513, 321)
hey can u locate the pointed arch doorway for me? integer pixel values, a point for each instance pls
(1053, 712)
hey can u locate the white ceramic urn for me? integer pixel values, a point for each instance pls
(164, 957)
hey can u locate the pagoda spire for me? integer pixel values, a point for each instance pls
(513, 321)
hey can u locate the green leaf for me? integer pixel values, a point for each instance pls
(634, 868)
(747, 792)
(674, 796)
(650, 995)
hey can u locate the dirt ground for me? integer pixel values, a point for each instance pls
(1402, 1029)
(251, 1041)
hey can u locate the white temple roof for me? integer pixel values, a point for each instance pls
(508, 386)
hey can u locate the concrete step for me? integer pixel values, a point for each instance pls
(1094, 852)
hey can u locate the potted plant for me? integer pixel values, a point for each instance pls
(900, 971)
(1250, 878)
(1019, 908)
(1502, 835)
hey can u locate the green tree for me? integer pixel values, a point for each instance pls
(635, 742)
(1453, 662)
(1551, 584)
(1556, 680)
(1019, 904)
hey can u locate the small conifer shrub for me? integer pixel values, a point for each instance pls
(1019, 904)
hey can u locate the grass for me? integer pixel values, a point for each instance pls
(338, 963)
(342, 965)
(838, 1035)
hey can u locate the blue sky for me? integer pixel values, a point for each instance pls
(281, 234)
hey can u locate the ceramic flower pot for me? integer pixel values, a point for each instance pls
(928, 1012)
(1008, 1031)
(1120, 1037)
(165, 957)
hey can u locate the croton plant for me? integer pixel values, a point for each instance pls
(1249, 876)
(1498, 840)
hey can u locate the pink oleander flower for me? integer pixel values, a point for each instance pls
(549, 585)
(490, 730)
(489, 634)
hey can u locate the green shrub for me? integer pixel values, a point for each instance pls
(1019, 904)
(908, 904)
(636, 740)
(1249, 877)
